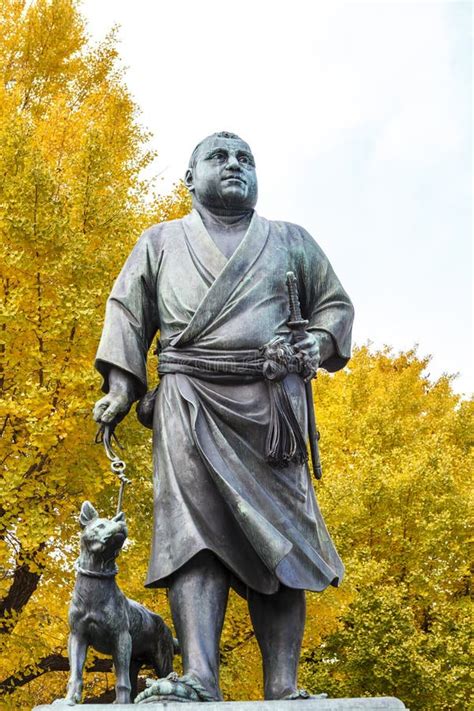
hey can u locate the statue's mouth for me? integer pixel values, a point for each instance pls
(118, 537)
(235, 178)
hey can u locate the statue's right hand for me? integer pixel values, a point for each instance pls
(112, 408)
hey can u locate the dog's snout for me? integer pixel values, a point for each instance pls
(119, 533)
(104, 535)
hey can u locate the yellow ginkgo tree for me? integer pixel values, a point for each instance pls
(396, 447)
(72, 204)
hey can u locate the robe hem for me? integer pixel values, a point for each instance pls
(164, 581)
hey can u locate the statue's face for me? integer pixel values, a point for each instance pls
(224, 175)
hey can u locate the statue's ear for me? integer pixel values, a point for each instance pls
(119, 517)
(88, 513)
(189, 180)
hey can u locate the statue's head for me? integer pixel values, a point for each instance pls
(221, 173)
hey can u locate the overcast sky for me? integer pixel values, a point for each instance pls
(360, 119)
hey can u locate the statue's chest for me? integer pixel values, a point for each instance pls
(227, 241)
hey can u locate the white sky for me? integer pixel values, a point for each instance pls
(360, 118)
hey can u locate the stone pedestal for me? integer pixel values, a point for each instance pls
(381, 703)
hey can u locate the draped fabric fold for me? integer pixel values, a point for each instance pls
(216, 417)
(285, 441)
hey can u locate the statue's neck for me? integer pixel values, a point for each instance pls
(224, 218)
(226, 227)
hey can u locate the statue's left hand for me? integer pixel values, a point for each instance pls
(309, 351)
(315, 348)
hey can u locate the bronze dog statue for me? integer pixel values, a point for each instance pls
(102, 617)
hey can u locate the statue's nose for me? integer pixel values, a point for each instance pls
(232, 162)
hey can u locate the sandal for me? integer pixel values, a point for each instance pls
(303, 694)
(173, 688)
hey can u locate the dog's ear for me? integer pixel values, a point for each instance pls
(119, 517)
(88, 513)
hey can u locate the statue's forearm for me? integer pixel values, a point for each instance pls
(327, 347)
(122, 383)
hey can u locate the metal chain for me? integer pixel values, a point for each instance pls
(105, 435)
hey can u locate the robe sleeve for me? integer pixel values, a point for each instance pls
(325, 303)
(131, 315)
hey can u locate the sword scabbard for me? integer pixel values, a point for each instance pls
(297, 325)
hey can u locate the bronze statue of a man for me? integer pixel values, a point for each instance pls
(225, 512)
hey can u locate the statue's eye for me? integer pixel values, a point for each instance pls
(246, 160)
(220, 155)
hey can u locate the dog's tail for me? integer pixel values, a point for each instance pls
(176, 647)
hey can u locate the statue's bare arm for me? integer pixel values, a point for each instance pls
(122, 394)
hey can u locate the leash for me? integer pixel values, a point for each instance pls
(105, 434)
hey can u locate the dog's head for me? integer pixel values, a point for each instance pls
(102, 536)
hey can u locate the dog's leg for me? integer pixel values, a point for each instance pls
(77, 650)
(162, 655)
(135, 667)
(121, 655)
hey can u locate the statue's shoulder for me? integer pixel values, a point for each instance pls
(297, 241)
(292, 232)
(157, 235)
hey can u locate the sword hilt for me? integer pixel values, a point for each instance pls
(296, 322)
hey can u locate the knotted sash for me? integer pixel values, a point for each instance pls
(285, 441)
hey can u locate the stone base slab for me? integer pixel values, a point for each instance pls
(381, 703)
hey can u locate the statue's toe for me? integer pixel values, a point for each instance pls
(303, 694)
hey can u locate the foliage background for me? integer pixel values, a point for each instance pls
(396, 447)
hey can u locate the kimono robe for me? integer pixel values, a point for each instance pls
(213, 487)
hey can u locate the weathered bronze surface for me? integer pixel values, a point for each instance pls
(225, 513)
(100, 616)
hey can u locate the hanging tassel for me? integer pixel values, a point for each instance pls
(285, 442)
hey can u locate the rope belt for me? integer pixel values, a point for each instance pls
(285, 442)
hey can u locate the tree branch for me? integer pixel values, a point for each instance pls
(23, 586)
(53, 662)
(228, 648)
